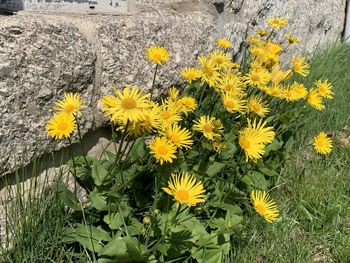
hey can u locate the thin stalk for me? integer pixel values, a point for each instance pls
(81, 141)
(74, 165)
(154, 79)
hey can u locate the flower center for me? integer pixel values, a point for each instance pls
(320, 144)
(69, 108)
(256, 107)
(219, 61)
(162, 150)
(321, 89)
(166, 115)
(230, 104)
(297, 67)
(229, 87)
(175, 139)
(208, 71)
(244, 143)
(255, 77)
(182, 195)
(207, 127)
(157, 57)
(62, 126)
(260, 208)
(128, 103)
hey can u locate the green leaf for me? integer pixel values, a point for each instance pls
(215, 168)
(268, 172)
(91, 237)
(229, 151)
(116, 249)
(99, 173)
(132, 244)
(98, 201)
(68, 197)
(138, 150)
(113, 220)
(256, 180)
(232, 220)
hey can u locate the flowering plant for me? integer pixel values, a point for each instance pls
(189, 170)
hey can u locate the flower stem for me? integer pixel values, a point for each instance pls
(81, 142)
(154, 79)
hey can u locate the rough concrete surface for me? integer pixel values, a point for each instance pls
(44, 55)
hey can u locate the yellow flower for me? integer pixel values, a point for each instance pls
(301, 66)
(191, 74)
(323, 143)
(223, 43)
(126, 105)
(157, 54)
(231, 83)
(163, 150)
(257, 78)
(277, 22)
(173, 93)
(169, 114)
(256, 105)
(185, 189)
(314, 98)
(279, 75)
(220, 60)
(253, 139)
(292, 39)
(71, 104)
(149, 121)
(275, 91)
(180, 137)
(186, 104)
(262, 33)
(209, 72)
(219, 145)
(206, 125)
(233, 103)
(264, 206)
(272, 47)
(61, 126)
(299, 90)
(255, 41)
(289, 94)
(324, 88)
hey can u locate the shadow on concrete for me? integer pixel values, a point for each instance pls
(55, 159)
(9, 7)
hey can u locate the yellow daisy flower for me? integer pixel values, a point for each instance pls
(186, 104)
(264, 206)
(324, 88)
(314, 98)
(180, 137)
(275, 91)
(301, 66)
(126, 105)
(185, 189)
(292, 39)
(258, 78)
(209, 72)
(191, 74)
(169, 114)
(61, 126)
(163, 150)
(277, 22)
(71, 104)
(220, 60)
(173, 94)
(254, 41)
(299, 90)
(253, 139)
(206, 125)
(223, 43)
(231, 83)
(279, 75)
(256, 105)
(289, 94)
(233, 103)
(323, 143)
(157, 54)
(262, 32)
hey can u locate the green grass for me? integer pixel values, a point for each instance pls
(313, 192)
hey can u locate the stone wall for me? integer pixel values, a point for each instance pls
(44, 55)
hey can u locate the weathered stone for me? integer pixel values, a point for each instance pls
(52, 54)
(315, 22)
